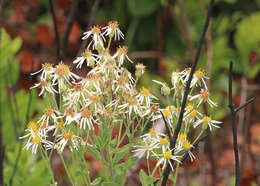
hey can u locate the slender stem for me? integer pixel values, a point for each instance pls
(109, 42)
(148, 166)
(176, 174)
(234, 127)
(66, 168)
(47, 162)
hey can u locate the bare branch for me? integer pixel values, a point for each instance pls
(71, 18)
(57, 38)
(244, 105)
(234, 128)
(166, 126)
(187, 89)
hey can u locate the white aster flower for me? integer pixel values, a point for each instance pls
(68, 137)
(206, 121)
(46, 69)
(45, 86)
(97, 38)
(121, 54)
(203, 96)
(145, 96)
(87, 56)
(166, 157)
(112, 30)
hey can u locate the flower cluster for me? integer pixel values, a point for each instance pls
(157, 146)
(105, 96)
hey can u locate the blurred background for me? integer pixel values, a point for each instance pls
(161, 34)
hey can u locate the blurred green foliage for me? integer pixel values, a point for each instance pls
(14, 112)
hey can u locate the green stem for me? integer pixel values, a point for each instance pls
(47, 162)
(148, 167)
(176, 174)
(109, 42)
(66, 168)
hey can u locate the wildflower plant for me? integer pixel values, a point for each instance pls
(106, 101)
(91, 108)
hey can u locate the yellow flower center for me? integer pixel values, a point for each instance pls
(199, 73)
(164, 141)
(182, 137)
(49, 111)
(204, 94)
(42, 124)
(186, 145)
(132, 101)
(189, 106)
(94, 98)
(87, 53)
(59, 124)
(207, 119)
(69, 112)
(152, 133)
(95, 29)
(113, 24)
(154, 108)
(36, 140)
(145, 91)
(46, 66)
(166, 112)
(32, 126)
(167, 154)
(62, 69)
(85, 113)
(147, 147)
(122, 50)
(68, 135)
(193, 113)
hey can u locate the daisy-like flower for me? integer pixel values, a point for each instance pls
(145, 96)
(206, 121)
(112, 30)
(198, 77)
(76, 93)
(93, 99)
(121, 54)
(166, 157)
(65, 138)
(49, 113)
(97, 38)
(62, 72)
(46, 70)
(87, 56)
(152, 135)
(147, 149)
(45, 86)
(191, 114)
(70, 115)
(187, 147)
(86, 117)
(36, 139)
(203, 96)
(132, 106)
(164, 142)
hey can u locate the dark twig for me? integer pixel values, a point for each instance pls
(57, 38)
(233, 117)
(244, 105)
(234, 127)
(187, 89)
(166, 126)
(90, 23)
(71, 18)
